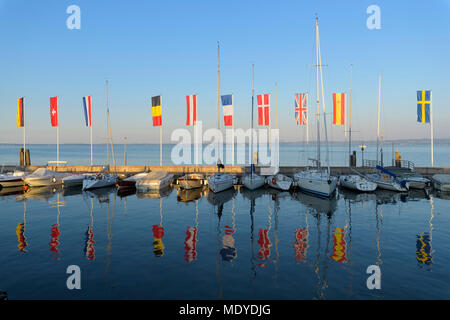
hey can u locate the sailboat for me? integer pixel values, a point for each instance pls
(279, 180)
(354, 181)
(252, 181)
(219, 181)
(316, 180)
(103, 179)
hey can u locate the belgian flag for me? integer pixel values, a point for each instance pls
(20, 113)
(156, 111)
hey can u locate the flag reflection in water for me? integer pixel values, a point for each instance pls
(228, 251)
(190, 244)
(339, 246)
(54, 242)
(158, 245)
(89, 249)
(21, 239)
(301, 244)
(264, 244)
(424, 251)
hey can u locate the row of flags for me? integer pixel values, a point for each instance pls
(300, 100)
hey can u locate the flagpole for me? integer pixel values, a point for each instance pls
(350, 116)
(92, 154)
(232, 132)
(24, 132)
(160, 138)
(218, 95)
(57, 145)
(251, 133)
(431, 128)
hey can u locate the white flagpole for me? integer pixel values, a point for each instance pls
(57, 145)
(431, 128)
(160, 135)
(92, 154)
(378, 123)
(307, 119)
(232, 131)
(24, 133)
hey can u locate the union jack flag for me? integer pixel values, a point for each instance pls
(301, 109)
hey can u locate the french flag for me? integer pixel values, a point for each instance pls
(87, 102)
(227, 103)
(191, 102)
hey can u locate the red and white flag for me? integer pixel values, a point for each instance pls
(191, 102)
(263, 109)
(54, 111)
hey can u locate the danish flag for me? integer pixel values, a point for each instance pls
(301, 110)
(263, 109)
(191, 102)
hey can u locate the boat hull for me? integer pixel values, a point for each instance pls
(156, 184)
(43, 181)
(191, 182)
(219, 184)
(357, 184)
(89, 184)
(253, 182)
(280, 182)
(318, 184)
(10, 183)
(441, 182)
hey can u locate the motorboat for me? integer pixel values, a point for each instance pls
(154, 180)
(441, 182)
(316, 181)
(130, 182)
(14, 179)
(100, 180)
(356, 182)
(43, 177)
(416, 181)
(75, 180)
(191, 181)
(280, 181)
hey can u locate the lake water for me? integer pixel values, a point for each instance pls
(289, 154)
(238, 244)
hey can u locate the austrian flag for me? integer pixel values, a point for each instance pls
(54, 111)
(191, 102)
(263, 109)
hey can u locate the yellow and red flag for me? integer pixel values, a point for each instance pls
(156, 111)
(20, 113)
(339, 108)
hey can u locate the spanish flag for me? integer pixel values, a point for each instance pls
(339, 108)
(156, 111)
(20, 113)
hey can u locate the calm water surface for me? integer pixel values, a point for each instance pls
(263, 244)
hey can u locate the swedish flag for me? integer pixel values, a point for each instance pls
(423, 106)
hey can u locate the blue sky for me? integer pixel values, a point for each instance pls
(147, 48)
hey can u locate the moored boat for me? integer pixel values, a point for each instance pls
(191, 181)
(280, 181)
(416, 181)
(14, 179)
(220, 181)
(386, 182)
(253, 181)
(130, 182)
(154, 181)
(316, 181)
(100, 180)
(356, 182)
(441, 182)
(75, 180)
(43, 177)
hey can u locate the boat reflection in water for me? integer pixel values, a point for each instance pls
(154, 194)
(188, 195)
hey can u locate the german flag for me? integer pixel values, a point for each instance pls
(339, 108)
(156, 111)
(20, 113)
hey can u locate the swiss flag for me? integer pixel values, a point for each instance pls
(54, 111)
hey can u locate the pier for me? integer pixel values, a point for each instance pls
(236, 170)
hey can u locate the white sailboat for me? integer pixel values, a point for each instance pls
(317, 181)
(278, 180)
(219, 181)
(354, 181)
(252, 181)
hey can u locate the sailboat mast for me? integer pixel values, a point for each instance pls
(251, 133)
(317, 92)
(107, 125)
(350, 117)
(218, 85)
(379, 111)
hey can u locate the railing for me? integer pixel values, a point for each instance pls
(371, 163)
(406, 164)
